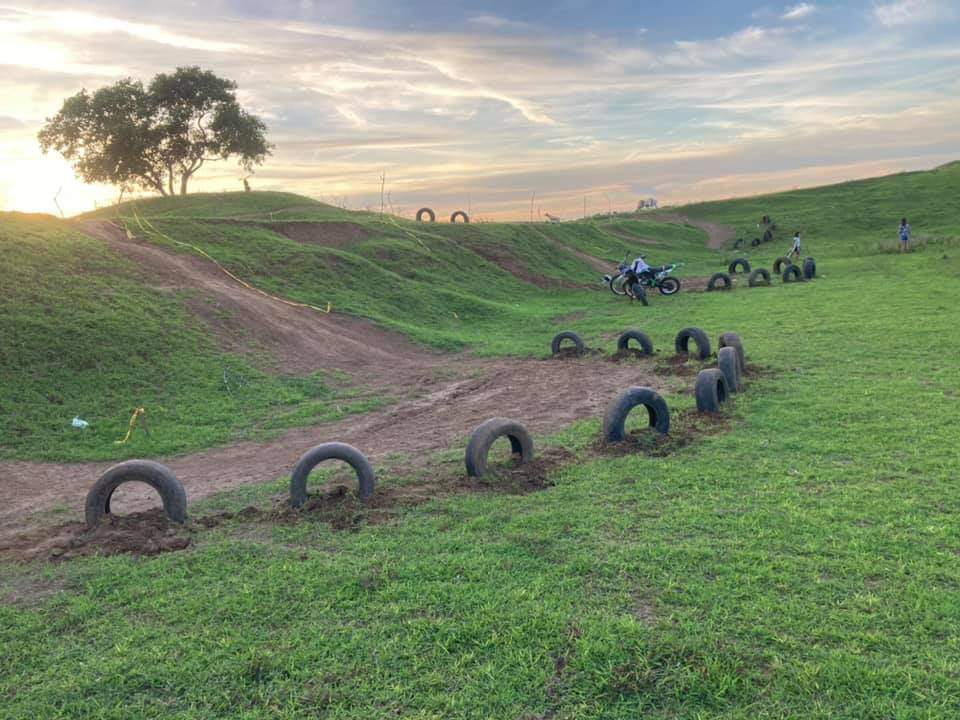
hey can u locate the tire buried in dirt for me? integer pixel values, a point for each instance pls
(792, 272)
(615, 418)
(646, 344)
(767, 235)
(728, 363)
(428, 212)
(711, 390)
(738, 244)
(739, 263)
(330, 451)
(459, 214)
(760, 276)
(682, 342)
(157, 476)
(780, 263)
(809, 268)
(731, 339)
(722, 277)
(487, 433)
(567, 335)
(755, 242)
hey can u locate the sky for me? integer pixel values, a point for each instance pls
(509, 108)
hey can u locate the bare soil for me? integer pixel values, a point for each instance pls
(717, 235)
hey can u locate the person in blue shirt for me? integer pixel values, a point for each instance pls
(904, 235)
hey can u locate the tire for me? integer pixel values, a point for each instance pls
(646, 344)
(809, 268)
(739, 262)
(567, 335)
(738, 244)
(682, 342)
(615, 418)
(760, 276)
(330, 451)
(728, 362)
(485, 434)
(639, 293)
(727, 282)
(755, 242)
(459, 214)
(780, 263)
(669, 286)
(767, 235)
(711, 390)
(731, 339)
(792, 272)
(617, 288)
(428, 212)
(157, 476)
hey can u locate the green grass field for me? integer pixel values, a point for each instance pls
(803, 564)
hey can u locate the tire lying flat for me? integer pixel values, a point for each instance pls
(615, 418)
(488, 432)
(330, 451)
(157, 476)
(646, 344)
(682, 342)
(711, 390)
(567, 335)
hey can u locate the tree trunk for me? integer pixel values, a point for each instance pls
(170, 180)
(184, 179)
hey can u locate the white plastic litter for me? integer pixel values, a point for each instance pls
(78, 423)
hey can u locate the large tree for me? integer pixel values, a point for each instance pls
(158, 136)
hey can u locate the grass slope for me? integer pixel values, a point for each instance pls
(802, 565)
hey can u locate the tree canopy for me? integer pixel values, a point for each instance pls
(155, 137)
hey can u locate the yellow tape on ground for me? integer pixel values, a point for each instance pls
(146, 226)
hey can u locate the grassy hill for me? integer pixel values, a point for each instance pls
(801, 564)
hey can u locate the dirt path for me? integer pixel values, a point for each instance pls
(717, 235)
(544, 394)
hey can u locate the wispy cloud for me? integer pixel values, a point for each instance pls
(799, 11)
(911, 12)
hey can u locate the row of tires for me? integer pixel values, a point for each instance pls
(767, 237)
(783, 267)
(713, 387)
(681, 342)
(427, 215)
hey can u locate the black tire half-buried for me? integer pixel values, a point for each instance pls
(615, 418)
(792, 272)
(739, 263)
(646, 344)
(157, 476)
(780, 263)
(729, 364)
(721, 277)
(428, 212)
(330, 451)
(760, 276)
(567, 335)
(711, 390)
(731, 339)
(459, 214)
(809, 268)
(487, 433)
(682, 342)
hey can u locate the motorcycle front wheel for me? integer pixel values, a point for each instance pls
(669, 286)
(618, 285)
(638, 292)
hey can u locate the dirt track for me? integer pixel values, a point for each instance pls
(443, 397)
(717, 235)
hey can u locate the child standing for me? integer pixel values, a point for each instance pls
(795, 250)
(904, 235)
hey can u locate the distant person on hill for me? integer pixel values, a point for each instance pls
(795, 250)
(904, 235)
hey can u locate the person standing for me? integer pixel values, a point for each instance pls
(795, 250)
(904, 235)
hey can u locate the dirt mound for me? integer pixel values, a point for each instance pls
(507, 261)
(686, 427)
(328, 234)
(295, 340)
(142, 533)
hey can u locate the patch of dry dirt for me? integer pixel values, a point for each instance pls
(717, 235)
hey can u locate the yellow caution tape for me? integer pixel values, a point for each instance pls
(147, 226)
(133, 423)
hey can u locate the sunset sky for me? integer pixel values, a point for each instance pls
(479, 105)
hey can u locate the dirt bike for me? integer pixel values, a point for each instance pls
(660, 279)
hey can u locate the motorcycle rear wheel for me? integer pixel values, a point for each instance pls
(669, 286)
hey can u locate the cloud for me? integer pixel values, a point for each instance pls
(910, 12)
(799, 11)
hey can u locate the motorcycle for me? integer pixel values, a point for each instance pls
(660, 280)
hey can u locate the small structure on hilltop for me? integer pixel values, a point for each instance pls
(552, 218)
(648, 204)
